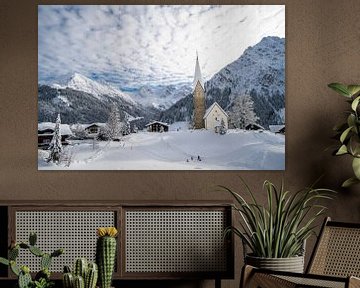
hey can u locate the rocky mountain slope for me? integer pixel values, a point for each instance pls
(259, 72)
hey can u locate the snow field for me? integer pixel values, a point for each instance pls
(177, 149)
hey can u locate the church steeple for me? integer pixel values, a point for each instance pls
(197, 75)
(198, 98)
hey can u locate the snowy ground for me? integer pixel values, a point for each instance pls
(177, 149)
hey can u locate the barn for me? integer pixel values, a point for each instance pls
(157, 126)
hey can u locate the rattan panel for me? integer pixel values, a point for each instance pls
(75, 231)
(175, 241)
(338, 253)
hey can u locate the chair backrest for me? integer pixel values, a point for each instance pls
(337, 251)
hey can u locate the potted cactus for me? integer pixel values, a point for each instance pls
(106, 254)
(42, 278)
(84, 275)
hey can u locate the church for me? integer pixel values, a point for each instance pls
(214, 117)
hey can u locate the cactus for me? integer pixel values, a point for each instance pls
(91, 276)
(32, 238)
(79, 282)
(13, 253)
(80, 267)
(87, 272)
(105, 254)
(24, 278)
(68, 280)
(45, 261)
(36, 251)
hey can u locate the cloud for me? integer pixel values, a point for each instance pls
(135, 45)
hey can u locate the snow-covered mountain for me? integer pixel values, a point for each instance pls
(161, 97)
(82, 83)
(81, 107)
(258, 72)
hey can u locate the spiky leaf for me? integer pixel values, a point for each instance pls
(340, 88)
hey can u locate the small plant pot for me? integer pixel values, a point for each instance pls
(291, 264)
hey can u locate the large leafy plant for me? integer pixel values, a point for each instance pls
(348, 132)
(279, 229)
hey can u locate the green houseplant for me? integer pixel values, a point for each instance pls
(275, 233)
(348, 132)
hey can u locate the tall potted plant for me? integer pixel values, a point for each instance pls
(348, 132)
(276, 233)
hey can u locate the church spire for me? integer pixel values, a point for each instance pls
(197, 75)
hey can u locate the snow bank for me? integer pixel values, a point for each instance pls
(180, 149)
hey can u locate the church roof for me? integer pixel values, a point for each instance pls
(207, 112)
(197, 75)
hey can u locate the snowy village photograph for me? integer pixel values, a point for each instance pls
(152, 87)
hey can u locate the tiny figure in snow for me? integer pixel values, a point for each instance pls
(198, 158)
(192, 158)
(187, 160)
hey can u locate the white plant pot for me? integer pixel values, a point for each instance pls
(291, 264)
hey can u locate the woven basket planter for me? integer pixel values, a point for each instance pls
(291, 264)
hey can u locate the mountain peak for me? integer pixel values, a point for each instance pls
(82, 83)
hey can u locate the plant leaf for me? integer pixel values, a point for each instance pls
(353, 89)
(342, 150)
(355, 103)
(345, 134)
(349, 182)
(356, 167)
(340, 88)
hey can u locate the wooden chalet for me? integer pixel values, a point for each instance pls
(46, 132)
(157, 126)
(254, 126)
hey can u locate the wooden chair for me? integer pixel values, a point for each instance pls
(334, 263)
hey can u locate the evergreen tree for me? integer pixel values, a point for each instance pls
(126, 125)
(242, 112)
(113, 128)
(55, 146)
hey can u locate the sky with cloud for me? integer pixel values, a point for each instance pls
(135, 45)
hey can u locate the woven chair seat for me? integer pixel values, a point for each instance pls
(335, 262)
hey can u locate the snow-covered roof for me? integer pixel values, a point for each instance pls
(276, 128)
(64, 128)
(161, 123)
(94, 124)
(197, 75)
(215, 104)
(255, 125)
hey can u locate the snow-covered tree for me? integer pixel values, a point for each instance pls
(126, 125)
(242, 112)
(55, 146)
(79, 131)
(222, 130)
(113, 128)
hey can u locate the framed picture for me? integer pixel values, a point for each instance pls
(151, 87)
